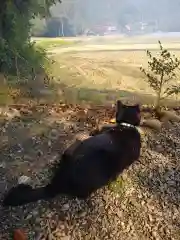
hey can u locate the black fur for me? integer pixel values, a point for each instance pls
(125, 114)
(128, 114)
(93, 164)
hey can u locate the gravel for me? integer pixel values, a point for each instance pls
(143, 204)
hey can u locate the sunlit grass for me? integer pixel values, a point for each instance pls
(48, 43)
(103, 76)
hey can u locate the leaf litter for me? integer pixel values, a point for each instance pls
(147, 207)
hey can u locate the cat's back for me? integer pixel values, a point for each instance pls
(100, 141)
(111, 140)
(127, 133)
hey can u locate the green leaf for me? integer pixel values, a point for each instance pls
(161, 71)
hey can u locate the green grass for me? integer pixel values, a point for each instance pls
(5, 97)
(7, 91)
(48, 43)
(121, 185)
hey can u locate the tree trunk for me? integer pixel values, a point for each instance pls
(157, 105)
(62, 28)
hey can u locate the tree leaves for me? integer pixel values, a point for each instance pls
(160, 73)
(172, 90)
(17, 54)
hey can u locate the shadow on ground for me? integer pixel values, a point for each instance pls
(96, 96)
(30, 145)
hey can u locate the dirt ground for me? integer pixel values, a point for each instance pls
(32, 139)
(142, 204)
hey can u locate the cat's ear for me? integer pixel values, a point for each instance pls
(119, 111)
(137, 106)
(119, 105)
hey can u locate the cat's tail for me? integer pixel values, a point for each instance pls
(24, 193)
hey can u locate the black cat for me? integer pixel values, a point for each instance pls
(94, 163)
(124, 114)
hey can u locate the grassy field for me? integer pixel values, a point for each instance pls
(104, 76)
(49, 43)
(98, 76)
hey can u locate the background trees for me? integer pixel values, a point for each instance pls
(86, 14)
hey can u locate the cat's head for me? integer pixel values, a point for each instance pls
(128, 114)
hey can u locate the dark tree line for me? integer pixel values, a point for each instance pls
(79, 15)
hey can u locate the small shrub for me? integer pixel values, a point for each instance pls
(161, 74)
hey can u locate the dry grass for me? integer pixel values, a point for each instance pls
(104, 76)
